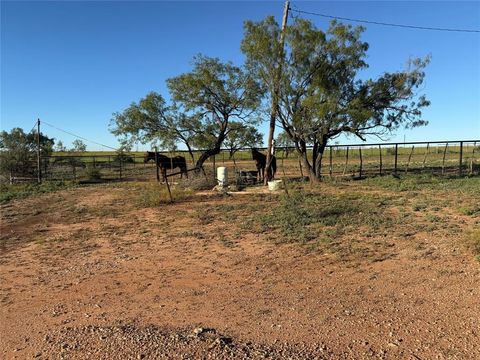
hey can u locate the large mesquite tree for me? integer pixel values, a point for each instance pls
(321, 94)
(151, 120)
(217, 94)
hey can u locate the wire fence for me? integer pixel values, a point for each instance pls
(359, 160)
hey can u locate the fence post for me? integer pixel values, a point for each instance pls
(214, 170)
(156, 164)
(331, 162)
(409, 157)
(121, 166)
(461, 159)
(94, 162)
(380, 153)
(471, 160)
(425, 157)
(39, 167)
(361, 161)
(346, 162)
(396, 159)
(168, 188)
(443, 161)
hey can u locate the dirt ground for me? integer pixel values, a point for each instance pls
(88, 273)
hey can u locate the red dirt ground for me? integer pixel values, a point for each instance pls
(85, 273)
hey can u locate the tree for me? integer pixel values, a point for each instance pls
(152, 120)
(79, 146)
(321, 95)
(285, 142)
(18, 152)
(240, 136)
(216, 94)
(59, 147)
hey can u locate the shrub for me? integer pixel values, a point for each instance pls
(93, 174)
(473, 242)
(155, 194)
(198, 182)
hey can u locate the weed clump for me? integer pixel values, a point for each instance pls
(473, 242)
(304, 216)
(155, 194)
(19, 191)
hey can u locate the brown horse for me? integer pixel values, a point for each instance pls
(261, 163)
(164, 163)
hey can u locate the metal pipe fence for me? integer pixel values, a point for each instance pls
(358, 160)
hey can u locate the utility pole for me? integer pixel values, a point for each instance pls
(275, 95)
(39, 167)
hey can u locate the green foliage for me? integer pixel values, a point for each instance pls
(217, 93)
(79, 146)
(152, 120)
(472, 240)
(304, 216)
(284, 141)
(20, 191)
(155, 194)
(241, 136)
(320, 93)
(18, 151)
(92, 174)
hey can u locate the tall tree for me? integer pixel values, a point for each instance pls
(216, 93)
(321, 94)
(18, 151)
(285, 142)
(152, 120)
(79, 146)
(241, 136)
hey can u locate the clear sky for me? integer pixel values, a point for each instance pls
(73, 64)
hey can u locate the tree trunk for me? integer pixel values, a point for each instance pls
(214, 150)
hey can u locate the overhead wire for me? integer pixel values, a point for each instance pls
(384, 23)
(78, 136)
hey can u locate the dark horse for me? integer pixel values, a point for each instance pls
(261, 162)
(164, 163)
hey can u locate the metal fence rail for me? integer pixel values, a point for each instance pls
(437, 157)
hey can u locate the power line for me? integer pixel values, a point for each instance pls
(78, 136)
(385, 24)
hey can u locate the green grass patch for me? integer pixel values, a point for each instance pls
(472, 241)
(154, 194)
(21, 191)
(305, 216)
(414, 182)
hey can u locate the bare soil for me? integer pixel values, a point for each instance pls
(87, 273)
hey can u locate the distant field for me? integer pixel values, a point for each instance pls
(370, 160)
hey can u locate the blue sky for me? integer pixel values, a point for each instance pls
(73, 64)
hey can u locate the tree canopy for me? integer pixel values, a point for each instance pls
(216, 94)
(18, 151)
(152, 120)
(321, 93)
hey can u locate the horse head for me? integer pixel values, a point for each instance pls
(149, 155)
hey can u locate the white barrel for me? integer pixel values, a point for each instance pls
(222, 177)
(274, 185)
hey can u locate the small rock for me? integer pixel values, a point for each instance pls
(198, 331)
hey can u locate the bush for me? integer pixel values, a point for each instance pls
(20, 191)
(304, 216)
(155, 194)
(198, 182)
(473, 242)
(92, 174)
